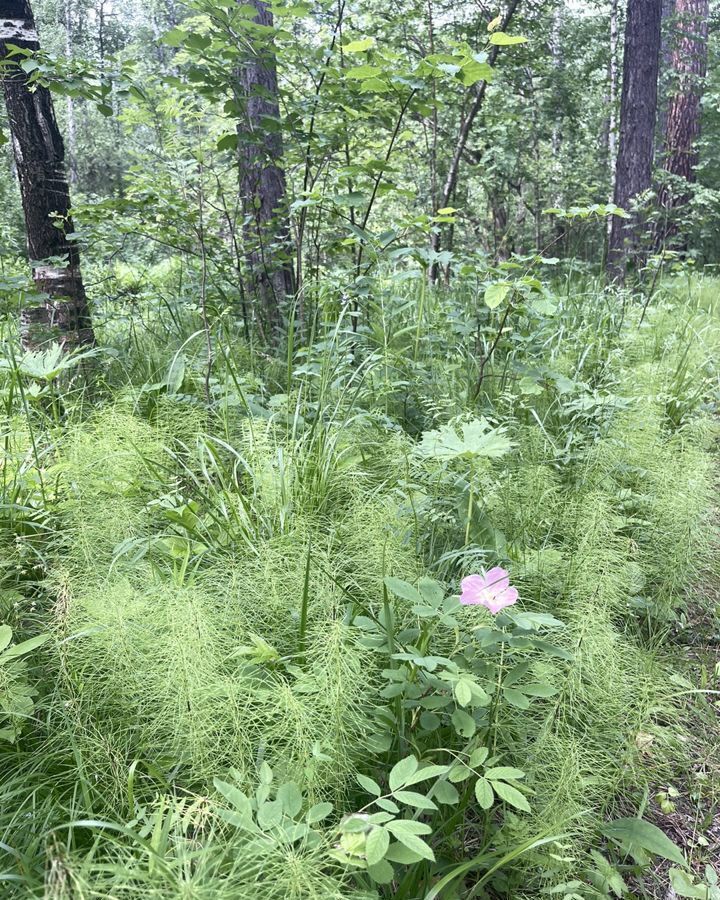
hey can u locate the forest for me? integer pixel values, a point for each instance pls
(359, 432)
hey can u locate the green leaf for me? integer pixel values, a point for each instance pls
(431, 591)
(353, 198)
(496, 293)
(378, 840)
(403, 590)
(422, 774)
(354, 824)
(382, 872)
(290, 797)
(400, 854)
(515, 698)
(479, 438)
(174, 38)
(408, 826)
(511, 795)
(504, 773)
(413, 798)
(239, 801)
(515, 674)
(359, 46)
(484, 793)
(360, 73)
(295, 10)
(463, 692)
(446, 793)
(500, 39)
(5, 636)
(372, 787)
(684, 886)
(402, 771)
(228, 141)
(25, 647)
(318, 812)
(175, 374)
(269, 814)
(459, 773)
(639, 834)
(410, 839)
(376, 85)
(478, 757)
(475, 71)
(463, 723)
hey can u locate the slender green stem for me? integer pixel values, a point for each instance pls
(302, 637)
(471, 498)
(496, 702)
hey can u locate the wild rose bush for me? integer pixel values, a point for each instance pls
(449, 671)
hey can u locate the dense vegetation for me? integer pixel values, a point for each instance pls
(254, 642)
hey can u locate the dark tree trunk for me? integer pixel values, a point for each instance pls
(688, 62)
(40, 162)
(638, 112)
(262, 179)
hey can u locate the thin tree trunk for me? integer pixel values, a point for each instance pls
(435, 235)
(612, 104)
(262, 180)
(557, 64)
(71, 140)
(638, 112)
(480, 90)
(667, 39)
(40, 162)
(688, 60)
(498, 207)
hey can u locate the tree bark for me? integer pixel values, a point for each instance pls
(688, 60)
(612, 104)
(638, 112)
(262, 179)
(40, 162)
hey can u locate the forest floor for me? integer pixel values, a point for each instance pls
(234, 660)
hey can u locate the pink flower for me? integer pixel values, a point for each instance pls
(491, 590)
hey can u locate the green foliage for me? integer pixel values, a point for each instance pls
(16, 692)
(262, 674)
(247, 548)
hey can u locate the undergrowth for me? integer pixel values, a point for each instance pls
(229, 593)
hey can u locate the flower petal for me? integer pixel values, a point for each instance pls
(506, 598)
(494, 604)
(472, 588)
(473, 582)
(497, 579)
